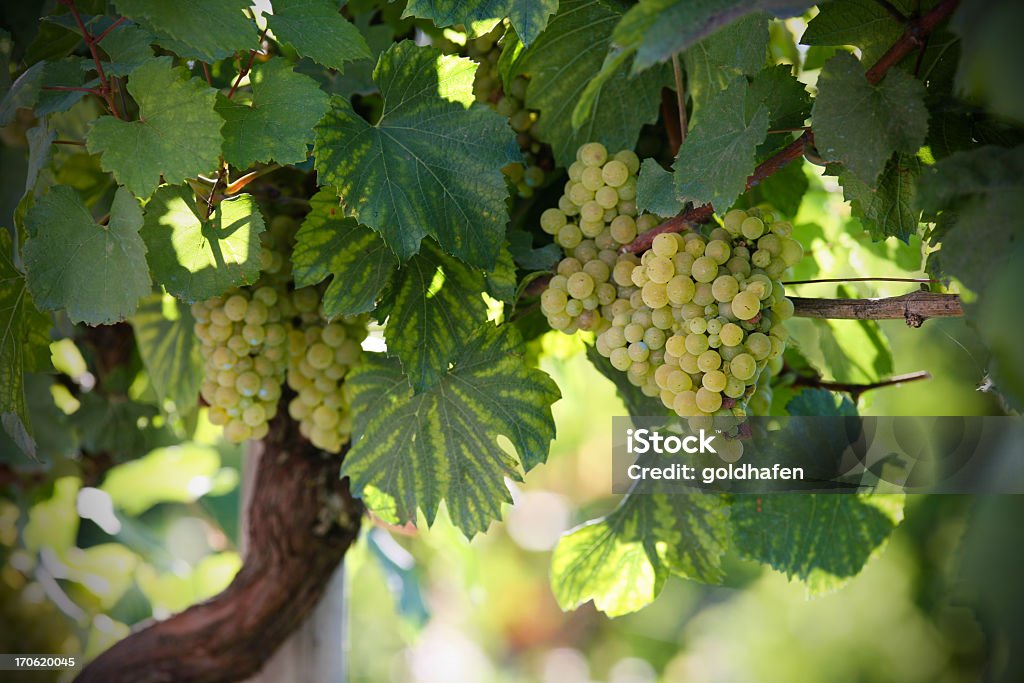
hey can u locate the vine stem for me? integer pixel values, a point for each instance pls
(855, 390)
(914, 308)
(110, 28)
(677, 72)
(248, 66)
(922, 280)
(917, 29)
(90, 42)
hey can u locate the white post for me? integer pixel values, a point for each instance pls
(316, 652)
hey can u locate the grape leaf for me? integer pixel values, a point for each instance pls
(656, 190)
(887, 210)
(329, 244)
(128, 48)
(861, 125)
(442, 444)
(177, 135)
(528, 17)
(96, 272)
(24, 346)
(822, 539)
(434, 304)
(862, 23)
(981, 196)
(27, 92)
(278, 125)
(22, 94)
(430, 166)
(315, 29)
(621, 561)
(525, 255)
(820, 402)
(713, 163)
(214, 28)
(783, 190)
(739, 49)
(658, 29)
(562, 62)
(782, 94)
(500, 282)
(169, 349)
(196, 258)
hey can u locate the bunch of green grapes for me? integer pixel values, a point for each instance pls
(716, 308)
(595, 216)
(244, 336)
(321, 354)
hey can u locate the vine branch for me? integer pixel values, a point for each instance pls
(914, 308)
(90, 42)
(917, 30)
(855, 390)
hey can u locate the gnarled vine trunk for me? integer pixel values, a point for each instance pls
(301, 522)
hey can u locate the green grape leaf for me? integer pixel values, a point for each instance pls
(28, 91)
(988, 69)
(430, 166)
(860, 125)
(162, 476)
(656, 190)
(113, 426)
(96, 272)
(433, 306)
(196, 258)
(739, 49)
(887, 210)
(783, 190)
(561, 64)
(500, 282)
(821, 402)
(177, 135)
(24, 336)
(528, 17)
(862, 23)
(22, 94)
(658, 29)
(315, 29)
(330, 244)
(169, 349)
(443, 444)
(278, 125)
(821, 539)
(213, 28)
(128, 48)
(528, 257)
(621, 561)
(782, 94)
(854, 351)
(719, 153)
(980, 194)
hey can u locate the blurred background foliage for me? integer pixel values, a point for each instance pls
(83, 558)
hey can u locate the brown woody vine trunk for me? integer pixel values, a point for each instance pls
(302, 520)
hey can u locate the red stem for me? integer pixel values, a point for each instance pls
(243, 72)
(90, 42)
(855, 390)
(912, 37)
(109, 29)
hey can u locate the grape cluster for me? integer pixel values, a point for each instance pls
(254, 339)
(698, 319)
(595, 216)
(244, 343)
(321, 354)
(487, 88)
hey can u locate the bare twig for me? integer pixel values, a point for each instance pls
(922, 280)
(855, 390)
(914, 308)
(672, 130)
(76, 143)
